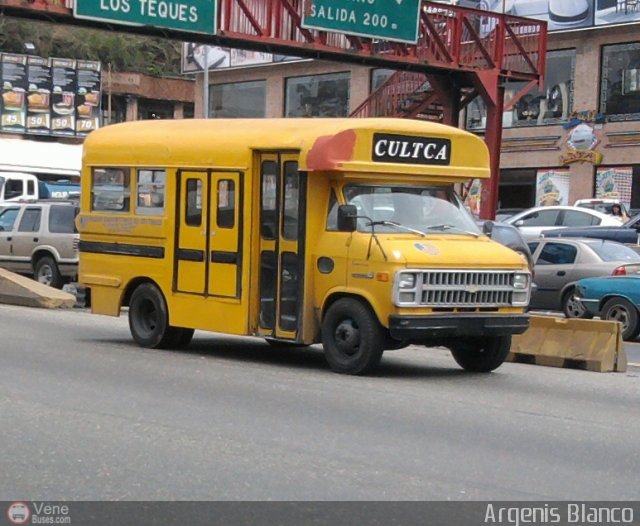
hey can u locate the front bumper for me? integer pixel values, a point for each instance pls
(422, 328)
(592, 306)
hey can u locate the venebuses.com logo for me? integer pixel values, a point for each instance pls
(38, 513)
(18, 513)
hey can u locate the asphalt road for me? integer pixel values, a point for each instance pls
(88, 415)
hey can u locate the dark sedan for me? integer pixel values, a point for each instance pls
(628, 233)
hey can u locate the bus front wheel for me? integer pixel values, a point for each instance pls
(352, 338)
(482, 355)
(149, 318)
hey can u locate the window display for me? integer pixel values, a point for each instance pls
(318, 96)
(549, 106)
(620, 86)
(238, 100)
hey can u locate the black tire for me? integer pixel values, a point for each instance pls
(625, 312)
(481, 355)
(46, 272)
(148, 318)
(179, 337)
(352, 338)
(572, 308)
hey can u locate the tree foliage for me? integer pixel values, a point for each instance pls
(125, 52)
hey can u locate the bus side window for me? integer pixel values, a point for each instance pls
(110, 190)
(268, 217)
(332, 212)
(291, 201)
(226, 213)
(151, 187)
(193, 210)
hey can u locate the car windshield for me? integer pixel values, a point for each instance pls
(397, 209)
(608, 251)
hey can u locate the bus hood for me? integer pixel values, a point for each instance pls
(450, 251)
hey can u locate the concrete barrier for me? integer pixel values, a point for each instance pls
(19, 290)
(560, 342)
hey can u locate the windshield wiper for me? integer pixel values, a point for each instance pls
(445, 227)
(398, 225)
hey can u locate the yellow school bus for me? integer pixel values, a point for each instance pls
(346, 232)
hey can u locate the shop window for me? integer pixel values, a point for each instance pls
(110, 190)
(517, 189)
(118, 106)
(318, 96)
(552, 105)
(379, 76)
(238, 100)
(620, 84)
(154, 109)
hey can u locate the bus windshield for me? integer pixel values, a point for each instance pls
(395, 208)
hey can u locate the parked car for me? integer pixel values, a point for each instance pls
(614, 298)
(560, 263)
(534, 221)
(507, 235)
(602, 205)
(502, 214)
(628, 233)
(39, 238)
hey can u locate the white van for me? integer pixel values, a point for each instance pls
(17, 186)
(20, 186)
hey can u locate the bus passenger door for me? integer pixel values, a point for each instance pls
(225, 257)
(193, 240)
(282, 213)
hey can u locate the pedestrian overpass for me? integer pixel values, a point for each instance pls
(460, 53)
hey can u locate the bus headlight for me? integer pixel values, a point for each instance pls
(521, 281)
(407, 281)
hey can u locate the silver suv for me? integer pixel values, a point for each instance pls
(39, 238)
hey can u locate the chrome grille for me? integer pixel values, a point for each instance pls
(451, 289)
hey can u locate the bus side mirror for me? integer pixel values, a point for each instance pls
(347, 218)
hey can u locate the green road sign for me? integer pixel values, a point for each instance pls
(196, 16)
(385, 19)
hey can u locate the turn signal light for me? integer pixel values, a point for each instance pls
(619, 271)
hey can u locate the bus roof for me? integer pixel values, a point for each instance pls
(395, 146)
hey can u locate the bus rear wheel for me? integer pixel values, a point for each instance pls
(482, 355)
(149, 318)
(352, 338)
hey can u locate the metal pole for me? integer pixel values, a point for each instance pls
(109, 109)
(205, 84)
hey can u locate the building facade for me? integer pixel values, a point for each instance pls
(578, 136)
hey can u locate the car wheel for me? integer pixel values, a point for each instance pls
(46, 272)
(351, 337)
(624, 312)
(481, 355)
(572, 307)
(148, 317)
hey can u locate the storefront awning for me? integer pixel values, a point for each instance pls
(40, 158)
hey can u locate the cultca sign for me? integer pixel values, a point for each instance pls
(195, 16)
(407, 149)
